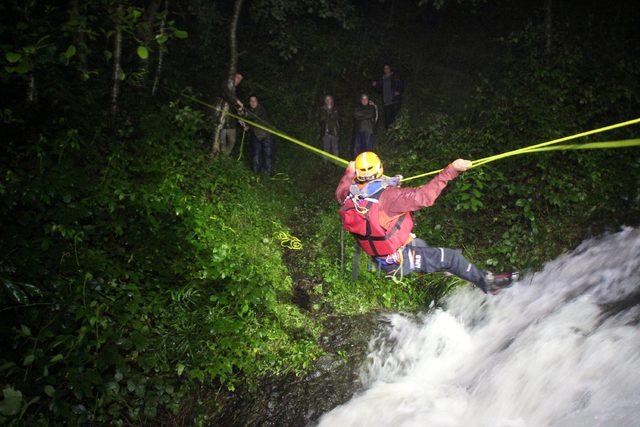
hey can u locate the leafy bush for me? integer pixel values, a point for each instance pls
(144, 276)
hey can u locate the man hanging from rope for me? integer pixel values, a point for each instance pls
(378, 213)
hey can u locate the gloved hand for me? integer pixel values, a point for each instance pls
(461, 165)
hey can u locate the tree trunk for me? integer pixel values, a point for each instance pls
(156, 81)
(32, 91)
(117, 55)
(78, 38)
(233, 65)
(215, 150)
(150, 15)
(547, 26)
(233, 42)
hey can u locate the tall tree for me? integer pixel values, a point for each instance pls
(233, 41)
(76, 20)
(117, 58)
(161, 39)
(233, 65)
(32, 90)
(147, 29)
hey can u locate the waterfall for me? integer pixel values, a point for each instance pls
(559, 348)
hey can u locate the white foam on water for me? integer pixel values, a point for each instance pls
(559, 348)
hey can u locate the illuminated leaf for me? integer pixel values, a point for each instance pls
(181, 34)
(49, 390)
(12, 401)
(28, 360)
(56, 358)
(13, 57)
(143, 52)
(71, 50)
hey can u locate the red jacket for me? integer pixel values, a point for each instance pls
(394, 201)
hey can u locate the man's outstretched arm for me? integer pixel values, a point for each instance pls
(396, 201)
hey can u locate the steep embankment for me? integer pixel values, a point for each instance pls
(134, 281)
(520, 212)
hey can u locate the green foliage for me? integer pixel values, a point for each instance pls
(180, 34)
(509, 209)
(137, 273)
(159, 273)
(276, 16)
(143, 52)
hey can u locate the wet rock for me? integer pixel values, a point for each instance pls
(299, 401)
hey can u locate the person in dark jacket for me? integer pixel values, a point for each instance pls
(227, 125)
(390, 86)
(329, 120)
(366, 117)
(262, 141)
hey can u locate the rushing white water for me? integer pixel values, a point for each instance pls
(561, 348)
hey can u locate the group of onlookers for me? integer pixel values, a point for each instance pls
(261, 141)
(365, 116)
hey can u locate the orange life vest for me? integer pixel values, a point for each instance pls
(361, 217)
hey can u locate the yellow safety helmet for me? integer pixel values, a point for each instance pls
(368, 167)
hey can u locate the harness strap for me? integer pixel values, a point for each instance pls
(395, 228)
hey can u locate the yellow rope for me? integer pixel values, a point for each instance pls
(288, 241)
(280, 176)
(535, 148)
(626, 143)
(241, 145)
(539, 147)
(394, 276)
(329, 156)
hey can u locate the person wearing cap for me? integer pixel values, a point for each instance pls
(365, 117)
(377, 212)
(227, 125)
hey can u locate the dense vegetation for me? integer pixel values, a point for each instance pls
(139, 276)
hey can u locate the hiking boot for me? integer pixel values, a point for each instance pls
(496, 282)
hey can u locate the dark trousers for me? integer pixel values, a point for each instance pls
(364, 141)
(263, 155)
(418, 257)
(227, 140)
(330, 144)
(390, 113)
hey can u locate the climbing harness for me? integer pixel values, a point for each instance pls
(394, 276)
(288, 241)
(396, 258)
(361, 217)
